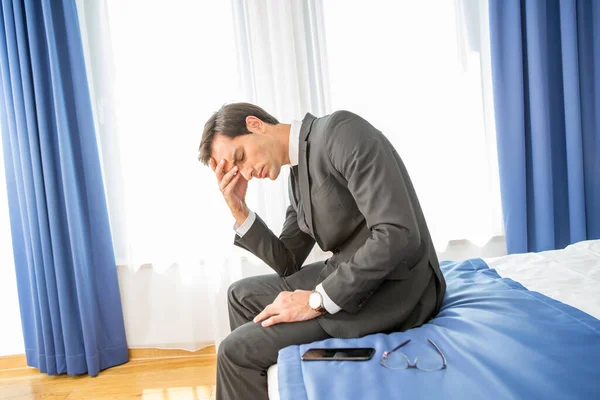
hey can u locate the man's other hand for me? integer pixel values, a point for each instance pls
(233, 186)
(287, 307)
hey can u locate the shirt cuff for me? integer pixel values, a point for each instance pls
(329, 305)
(242, 229)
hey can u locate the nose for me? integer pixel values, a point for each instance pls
(246, 173)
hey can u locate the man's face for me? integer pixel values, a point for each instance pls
(255, 155)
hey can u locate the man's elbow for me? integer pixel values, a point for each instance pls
(414, 240)
(404, 242)
(411, 249)
(290, 268)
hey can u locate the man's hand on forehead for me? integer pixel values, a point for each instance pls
(223, 167)
(233, 187)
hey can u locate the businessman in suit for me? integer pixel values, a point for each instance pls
(351, 194)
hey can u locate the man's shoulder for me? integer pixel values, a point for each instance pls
(344, 126)
(332, 125)
(337, 118)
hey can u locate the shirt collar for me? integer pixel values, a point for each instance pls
(294, 142)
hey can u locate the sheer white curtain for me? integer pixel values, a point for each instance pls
(283, 68)
(157, 71)
(420, 72)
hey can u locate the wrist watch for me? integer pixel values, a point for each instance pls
(315, 302)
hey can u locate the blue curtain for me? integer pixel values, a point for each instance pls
(66, 275)
(546, 79)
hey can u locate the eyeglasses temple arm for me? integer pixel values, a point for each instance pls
(439, 351)
(397, 347)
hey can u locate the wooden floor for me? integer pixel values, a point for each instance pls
(149, 379)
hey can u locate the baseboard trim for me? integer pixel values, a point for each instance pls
(19, 361)
(150, 353)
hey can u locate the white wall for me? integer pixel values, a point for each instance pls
(460, 250)
(11, 336)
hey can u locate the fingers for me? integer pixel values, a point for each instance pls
(277, 319)
(219, 170)
(229, 188)
(229, 178)
(269, 311)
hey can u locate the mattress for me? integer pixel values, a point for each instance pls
(570, 276)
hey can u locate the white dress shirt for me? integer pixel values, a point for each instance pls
(242, 229)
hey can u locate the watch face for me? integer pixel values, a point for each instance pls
(314, 300)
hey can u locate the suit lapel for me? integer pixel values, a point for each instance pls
(303, 170)
(293, 186)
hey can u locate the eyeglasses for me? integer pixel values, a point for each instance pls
(430, 362)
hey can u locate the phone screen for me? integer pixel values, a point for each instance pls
(339, 354)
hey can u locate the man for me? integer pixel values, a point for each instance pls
(351, 194)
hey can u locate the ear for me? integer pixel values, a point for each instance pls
(254, 124)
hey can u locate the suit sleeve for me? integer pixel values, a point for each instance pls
(365, 158)
(286, 253)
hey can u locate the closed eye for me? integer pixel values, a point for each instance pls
(237, 157)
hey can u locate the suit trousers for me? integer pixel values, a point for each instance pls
(250, 349)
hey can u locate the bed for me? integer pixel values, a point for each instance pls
(518, 326)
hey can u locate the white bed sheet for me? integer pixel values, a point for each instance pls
(571, 276)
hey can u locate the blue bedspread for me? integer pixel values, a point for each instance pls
(501, 341)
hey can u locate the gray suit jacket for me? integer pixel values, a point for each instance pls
(356, 199)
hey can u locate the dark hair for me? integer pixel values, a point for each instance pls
(230, 121)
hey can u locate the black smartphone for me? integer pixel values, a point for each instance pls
(339, 354)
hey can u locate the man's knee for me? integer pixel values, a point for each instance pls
(263, 285)
(227, 350)
(238, 290)
(246, 347)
